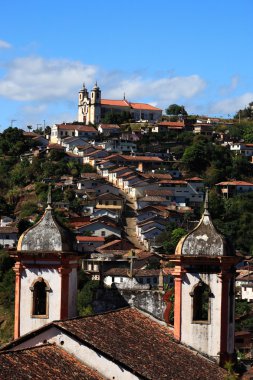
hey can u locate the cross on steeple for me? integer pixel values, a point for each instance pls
(206, 204)
(49, 197)
(131, 257)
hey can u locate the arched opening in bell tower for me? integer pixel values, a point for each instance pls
(201, 303)
(39, 298)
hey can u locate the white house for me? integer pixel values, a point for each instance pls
(61, 131)
(87, 244)
(99, 228)
(8, 236)
(242, 149)
(230, 188)
(108, 129)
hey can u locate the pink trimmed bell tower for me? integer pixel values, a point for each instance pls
(46, 275)
(204, 291)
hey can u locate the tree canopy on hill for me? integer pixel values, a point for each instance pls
(175, 110)
(246, 113)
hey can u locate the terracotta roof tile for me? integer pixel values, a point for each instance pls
(90, 238)
(144, 107)
(44, 362)
(172, 124)
(142, 158)
(117, 103)
(8, 230)
(133, 339)
(234, 183)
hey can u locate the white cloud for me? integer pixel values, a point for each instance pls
(163, 91)
(4, 45)
(227, 89)
(232, 105)
(48, 87)
(35, 78)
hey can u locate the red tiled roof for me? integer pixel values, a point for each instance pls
(114, 103)
(141, 158)
(55, 146)
(78, 224)
(8, 230)
(31, 134)
(234, 183)
(197, 179)
(86, 128)
(158, 175)
(125, 103)
(79, 127)
(144, 106)
(110, 244)
(44, 362)
(133, 339)
(90, 238)
(174, 182)
(159, 192)
(172, 124)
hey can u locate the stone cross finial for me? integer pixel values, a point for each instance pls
(206, 204)
(49, 197)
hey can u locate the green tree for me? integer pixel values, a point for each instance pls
(196, 157)
(85, 297)
(246, 113)
(175, 110)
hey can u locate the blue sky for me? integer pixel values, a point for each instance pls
(193, 52)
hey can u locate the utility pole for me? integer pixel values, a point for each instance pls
(12, 121)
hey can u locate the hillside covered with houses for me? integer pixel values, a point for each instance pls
(128, 192)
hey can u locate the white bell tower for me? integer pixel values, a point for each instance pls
(204, 291)
(46, 275)
(83, 105)
(95, 105)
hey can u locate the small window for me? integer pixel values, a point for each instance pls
(102, 233)
(201, 302)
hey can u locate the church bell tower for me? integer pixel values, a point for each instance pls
(95, 105)
(204, 291)
(46, 274)
(83, 105)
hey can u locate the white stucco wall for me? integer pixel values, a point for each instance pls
(83, 353)
(247, 292)
(202, 337)
(27, 323)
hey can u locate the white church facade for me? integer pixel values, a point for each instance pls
(92, 108)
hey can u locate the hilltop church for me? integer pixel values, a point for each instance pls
(92, 108)
(123, 344)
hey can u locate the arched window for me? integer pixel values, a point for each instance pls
(40, 291)
(201, 302)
